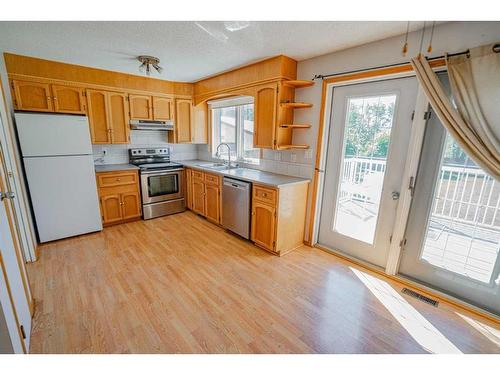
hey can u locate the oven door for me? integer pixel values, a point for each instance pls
(159, 186)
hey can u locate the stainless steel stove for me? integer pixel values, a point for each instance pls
(162, 181)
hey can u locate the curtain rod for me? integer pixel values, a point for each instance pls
(323, 76)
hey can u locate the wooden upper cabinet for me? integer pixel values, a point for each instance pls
(98, 116)
(163, 108)
(264, 225)
(32, 96)
(183, 120)
(265, 116)
(118, 117)
(141, 107)
(68, 99)
(199, 125)
(108, 117)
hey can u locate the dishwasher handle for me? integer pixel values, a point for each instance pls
(237, 184)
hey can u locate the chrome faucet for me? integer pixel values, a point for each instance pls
(217, 153)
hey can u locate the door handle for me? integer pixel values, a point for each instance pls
(7, 195)
(395, 195)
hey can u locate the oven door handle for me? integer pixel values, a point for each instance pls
(162, 173)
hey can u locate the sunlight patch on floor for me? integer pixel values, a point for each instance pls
(491, 333)
(415, 324)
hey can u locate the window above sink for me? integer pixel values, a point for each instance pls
(233, 124)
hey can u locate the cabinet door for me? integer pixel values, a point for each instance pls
(265, 116)
(199, 125)
(68, 99)
(264, 225)
(141, 107)
(163, 108)
(199, 197)
(212, 200)
(189, 189)
(98, 116)
(118, 117)
(183, 120)
(131, 205)
(111, 208)
(32, 96)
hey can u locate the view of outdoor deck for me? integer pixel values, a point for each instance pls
(463, 233)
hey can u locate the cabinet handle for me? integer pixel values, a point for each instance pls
(55, 98)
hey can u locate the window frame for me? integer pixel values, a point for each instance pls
(237, 103)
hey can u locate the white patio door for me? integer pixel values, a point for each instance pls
(453, 232)
(368, 141)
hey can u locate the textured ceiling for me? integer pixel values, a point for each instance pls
(188, 50)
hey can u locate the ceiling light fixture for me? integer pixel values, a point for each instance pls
(147, 62)
(236, 25)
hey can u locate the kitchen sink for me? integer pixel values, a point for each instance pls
(217, 166)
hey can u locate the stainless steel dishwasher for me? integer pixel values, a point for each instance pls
(236, 195)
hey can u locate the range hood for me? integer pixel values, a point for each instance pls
(152, 125)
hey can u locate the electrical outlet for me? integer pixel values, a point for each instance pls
(293, 158)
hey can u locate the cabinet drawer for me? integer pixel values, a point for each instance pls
(197, 175)
(116, 179)
(264, 195)
(211, 179)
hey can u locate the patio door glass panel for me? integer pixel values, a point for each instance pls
(453, 235)
(368, 126)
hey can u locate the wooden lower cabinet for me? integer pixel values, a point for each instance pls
(278, 217)
(119, 196)
(188, 188)
(111, 208)
(264, 225)
(278, 214)
(204, 194)
(212, 202)
(198, 189)
(131, 205)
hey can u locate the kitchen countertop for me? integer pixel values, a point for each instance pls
(114, 167)
(247, 174)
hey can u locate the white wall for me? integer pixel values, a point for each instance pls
(117, 154)
(449, 37)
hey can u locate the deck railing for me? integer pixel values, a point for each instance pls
(464, 194)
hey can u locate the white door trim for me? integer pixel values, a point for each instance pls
(22, 215)
(410, 173)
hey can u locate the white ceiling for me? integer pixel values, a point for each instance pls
(188, 50)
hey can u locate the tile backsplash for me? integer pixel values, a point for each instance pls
(118, 154)
(290, 163)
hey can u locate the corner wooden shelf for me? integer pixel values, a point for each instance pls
(295, 126)
(296, 105)
(298, 84)
(292, 147)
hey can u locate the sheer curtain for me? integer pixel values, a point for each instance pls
(475, 121)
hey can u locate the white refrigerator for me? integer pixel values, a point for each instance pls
(59, 165)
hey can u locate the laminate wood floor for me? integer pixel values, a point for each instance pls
(180, 284)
